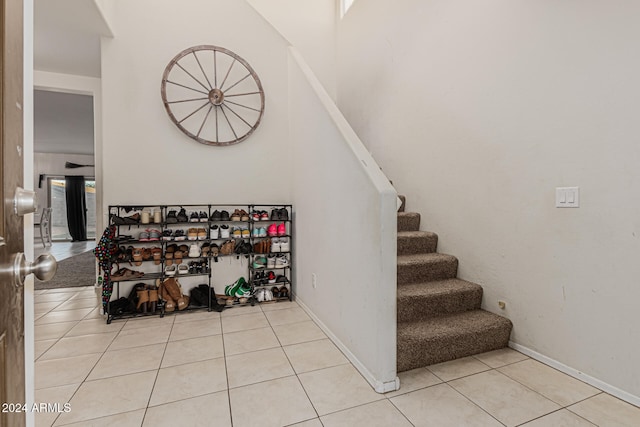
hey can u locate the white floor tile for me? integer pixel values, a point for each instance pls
(508, 401)
(314, 355)
(459, 368)
(189, 380)
(193, 350)
(376, 414)
(257, 366)
(293, 405)
(202, 411)
(607, 411)
(414, 380)
(128, 361)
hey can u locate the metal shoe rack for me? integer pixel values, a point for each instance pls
(128, 232)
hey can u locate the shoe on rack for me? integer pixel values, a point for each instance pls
(281, 261)
(283, 214)
(215, 216)
(194, 251)
(237, 233)
(244, 216)
(259, 262)
(170, 270)
(271, 261)
(182, 216)
(202, 233)
(255, 232)
(203, 216)
(264, 216)
(144, 217)
(275, 291)
(284, 244)
(271, 277)
(275, 244)
(282, 229)
(171, 217)
(224, 216)
(154, 235)
(166, 235)
(272, 230)
(183, 269)
(235, 216)
(284, 292)
(255, 216)
(233, 289)
(194, 217)
(275, 214)
(245, 233)
(215, 231)
(179, 235)
(192, 234)
(262, 232)
(224, 231)
(144, 236)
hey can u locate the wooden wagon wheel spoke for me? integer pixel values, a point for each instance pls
(196, 70)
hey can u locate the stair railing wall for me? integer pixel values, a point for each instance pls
(346, 219)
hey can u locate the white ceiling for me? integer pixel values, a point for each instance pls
(66, 40)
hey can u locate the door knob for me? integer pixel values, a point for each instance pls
(44, 268)
(24, 202)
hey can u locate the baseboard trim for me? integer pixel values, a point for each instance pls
(608, 388)
(378, 386)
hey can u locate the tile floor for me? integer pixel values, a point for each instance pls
(270, 365)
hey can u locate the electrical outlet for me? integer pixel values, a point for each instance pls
(314, 280)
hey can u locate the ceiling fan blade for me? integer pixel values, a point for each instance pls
(69, 165)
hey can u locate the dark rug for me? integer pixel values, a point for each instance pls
(79, 270)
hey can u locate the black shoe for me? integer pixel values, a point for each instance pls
(171, 217)
(224, 216)
(215, 216)
(275, 214)
(194, 217)
(182, 216)
(283, 214)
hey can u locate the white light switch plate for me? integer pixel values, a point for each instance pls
(567, 197)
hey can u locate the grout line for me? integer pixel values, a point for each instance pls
(473, 402)
(226, 368)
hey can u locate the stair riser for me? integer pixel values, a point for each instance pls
(423, 307)
(417, 244)
(427, 271)
(409, 222)
(415, 353)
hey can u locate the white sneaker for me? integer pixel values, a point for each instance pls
(194, 251)
(275, 244)
(284, 245)
(281, 261)
(224, 231)
(271, 261)
(215, 232)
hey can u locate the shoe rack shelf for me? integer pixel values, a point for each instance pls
(266, 227)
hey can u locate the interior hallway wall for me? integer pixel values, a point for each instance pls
(477, 111)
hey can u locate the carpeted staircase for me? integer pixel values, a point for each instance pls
(439, 316)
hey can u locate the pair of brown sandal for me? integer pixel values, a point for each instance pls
(125, 274)
(145, 254)
(171, 291)
(147, 298)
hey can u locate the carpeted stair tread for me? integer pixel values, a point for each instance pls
(425, 267)
(439, 339)
(412, 242)
(418, 301)
(408, 221)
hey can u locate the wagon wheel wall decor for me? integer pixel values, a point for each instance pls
(212, 95)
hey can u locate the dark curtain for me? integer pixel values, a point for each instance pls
(76, 207)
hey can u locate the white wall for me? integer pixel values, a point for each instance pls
(309, 26)
(345, 231)
(146, 158)
(477, 111)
